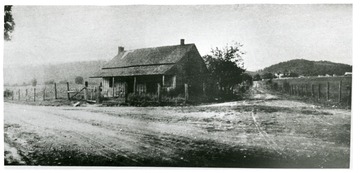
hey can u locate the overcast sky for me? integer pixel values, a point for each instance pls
(270, 33)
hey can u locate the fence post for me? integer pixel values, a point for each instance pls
(55, 90)
(350, 96)
(328, 91)
(26, 94)
(68, 90)
(98, 98)
(340, 91)
(312, 90)
(12, 95)
(290, 89)
(306, 90)
(186, 92)
(91, 93)
(297, 90)
(19, 94)
(34, 94)
(204, 88)
(159, 92)
(86, 91)
(44, 94)
(319, 91)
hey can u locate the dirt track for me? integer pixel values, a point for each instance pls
(261, 132)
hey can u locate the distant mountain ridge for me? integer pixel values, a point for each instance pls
(56, 72)
(308, 68)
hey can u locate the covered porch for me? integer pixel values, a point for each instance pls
(121, 86)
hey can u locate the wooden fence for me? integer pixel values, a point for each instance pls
(52, 92)
(329, 89)
(70, 92)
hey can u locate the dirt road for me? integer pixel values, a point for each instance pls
(261, 132)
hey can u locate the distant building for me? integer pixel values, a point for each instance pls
(348, 74)
(279, 75)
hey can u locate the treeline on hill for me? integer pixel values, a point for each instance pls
(48, 74)
(304, 67)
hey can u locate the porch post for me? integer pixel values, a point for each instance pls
(125, 91)
(113, 86)
(186, 92)
(204, 88)
(163, 80)
(159, 92)
(134, 84)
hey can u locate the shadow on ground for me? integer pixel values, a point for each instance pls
(205, 154)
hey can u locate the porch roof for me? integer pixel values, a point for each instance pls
(134, 71)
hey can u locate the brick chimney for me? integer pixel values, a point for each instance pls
(121, 49)
(182, 42)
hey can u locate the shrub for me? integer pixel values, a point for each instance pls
(79, 80)
(178, 99)
(33, 82)
(141, 99)
(7, 93)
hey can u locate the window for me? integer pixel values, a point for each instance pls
(169, 81)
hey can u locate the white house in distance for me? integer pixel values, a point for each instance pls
(348, 74)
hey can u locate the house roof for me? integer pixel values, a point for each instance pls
(146, 61)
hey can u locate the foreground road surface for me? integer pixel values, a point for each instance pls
(253, 133)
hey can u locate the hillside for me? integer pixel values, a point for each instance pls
(56, 72)
(309, 68)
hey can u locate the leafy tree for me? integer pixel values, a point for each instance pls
(293, 74)
(256, 77)
(9, 23)
(33, 82)
(267, 76)
(226, 66)
(79, 80)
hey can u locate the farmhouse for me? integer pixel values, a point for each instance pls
(148, 70)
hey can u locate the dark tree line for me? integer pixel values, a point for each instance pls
(9, 24)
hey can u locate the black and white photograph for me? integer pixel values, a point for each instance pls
(183, 85)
